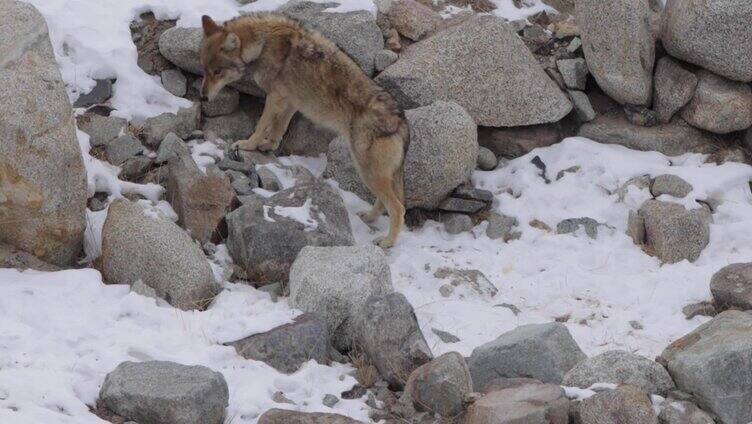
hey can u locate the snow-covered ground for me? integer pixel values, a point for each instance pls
(61, 333)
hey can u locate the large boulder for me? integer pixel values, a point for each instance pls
(674, 88)
(355, 32)
(181, 46)
(42, 177)
(731, 286)
(531, 403)
(542, 351)
(485, 67)
(283, 416)
(287, 347)
(266, 234)
(625, 405)
(719, 105)
(440, 386)
(712, 363)
(671, 139)
(388, 332)
(200, 199)
(137, 246)
(335, 283)
(712, 34)
(166, 392)
(620, 367)
(442, 154)
(619, 47)
(674, 233)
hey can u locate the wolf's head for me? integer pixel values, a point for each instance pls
(221, 58)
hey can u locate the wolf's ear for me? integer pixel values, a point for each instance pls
(232, 42)
(210, 27)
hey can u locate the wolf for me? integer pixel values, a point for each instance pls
(302, 71)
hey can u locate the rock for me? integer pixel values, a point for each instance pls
(701, 308)
(719, 105)
(43, 187)
(281, 416)
(501, 227)
(674, 233)
(467, 191)
(543, 351)
(636, 228)
(674, 88)
(304, 138)
(709, 363)
(330, 400)
(441, 385)
(456, 223)
(732, 286)
(683, 412)
(511, 90)
(171, 147)
(174, 81)
(266, 234)
(471, 278)
(454, 204)
(139, 246)
(135, 168)
(101, 92)
(356, 32)
(181, 46)
(225, 103)
(156, 128)
(534, 403)
(486, 159)
(672, 185)
(516, 142)
(625, 405)
(621, 26)
(442, 154)
(445, 336)
(123, 148)
(671, 139)
(620, 367)
(708, 35)
(388, 333)
(201, 200)
(102, 129)
(289, 346)
(571, 225)
(413, 19)
(384, 59)
(166, 392)
(335, 283)
(11, 257)
(238, 125)
(641, 115)
(574, 72)
(582, 106)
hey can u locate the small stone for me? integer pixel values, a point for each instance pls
(582, 106)
(330, 400)
(454, 204)
(101, 92)
(671, 185)
(172, 146)
(174, 81)
(384, 58)
(122, 148)
(501, 227)
(731, 286)
(456, 223)
(571, 225)
(701, 308)
(574, 72)
(445, 336)
(486, 159)
(640, 115)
